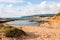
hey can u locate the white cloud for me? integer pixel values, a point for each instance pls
(43, 4)
(29, 9)
(10, 5)
(54, 8)
(29, 3)
(12, 1)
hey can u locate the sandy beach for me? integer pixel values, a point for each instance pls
(47, 32)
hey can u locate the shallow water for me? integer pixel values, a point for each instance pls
(23, 22)
(26, 22)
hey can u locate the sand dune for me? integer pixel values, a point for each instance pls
(40, 33)
(46, 31)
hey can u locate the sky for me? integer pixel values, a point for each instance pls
(18, 8)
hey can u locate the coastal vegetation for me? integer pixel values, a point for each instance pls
(10, 31)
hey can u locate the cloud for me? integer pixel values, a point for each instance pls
(9, 5)
(43, 3)
(54, 8)
(12, 1)
(29, 3)
(29, 9)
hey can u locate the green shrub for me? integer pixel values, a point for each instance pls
(7, 28)
(1, 26)
(14, 33)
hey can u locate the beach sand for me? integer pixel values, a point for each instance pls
(39, 32)
(44, 32)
